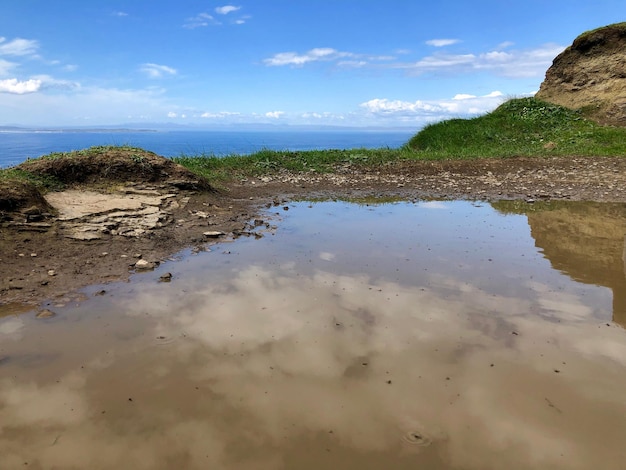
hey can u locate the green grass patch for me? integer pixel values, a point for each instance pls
(42, 182)
(216, 168)
(519, 127)
(97, 151)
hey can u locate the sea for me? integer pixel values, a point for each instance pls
(17, 146)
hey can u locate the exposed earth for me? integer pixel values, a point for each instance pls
(591, 75)
(102, 229)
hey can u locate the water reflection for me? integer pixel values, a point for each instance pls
(287, 352)
(586, 241)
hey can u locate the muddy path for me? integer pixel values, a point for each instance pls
(52, 259)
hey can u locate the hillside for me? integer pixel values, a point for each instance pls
(590, 75)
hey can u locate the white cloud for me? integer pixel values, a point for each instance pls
(172, 115)
(274, 114)
(6, 67)
(220, 115)
(14, 86)
(200, 20)
(352, 63)
(442, 42)
(226, 9)
(431, 110)
(120, 13)
(313, 55)
(156, 70)
(18, 47)
(505, 45)
(512, 64)
(48, 82)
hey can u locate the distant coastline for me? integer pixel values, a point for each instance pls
(25, 130)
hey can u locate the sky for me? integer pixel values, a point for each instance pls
(389, 63)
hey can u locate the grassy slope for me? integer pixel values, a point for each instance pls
(524, 126)
(519, 127)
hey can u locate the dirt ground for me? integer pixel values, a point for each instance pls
(41, 263)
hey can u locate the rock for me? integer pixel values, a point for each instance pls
(82, 234)
(591, 75)
(143, 265)
(213, 234)
(45, 313)
(52, 272)
(167, 277)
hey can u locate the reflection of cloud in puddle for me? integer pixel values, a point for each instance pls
(301, 338)
(561, 305)
(272, 357)
(10, 327)
(432, 205)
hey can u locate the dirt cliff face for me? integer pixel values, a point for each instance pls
(591, 75)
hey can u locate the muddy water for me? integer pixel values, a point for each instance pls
(433, 335)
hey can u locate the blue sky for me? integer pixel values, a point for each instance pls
(340, 62)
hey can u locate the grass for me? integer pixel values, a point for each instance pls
(43, 182)
(263, 162)
(519, 127)
(96, 151)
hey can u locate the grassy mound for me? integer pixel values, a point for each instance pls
(519, 127)
(111, 164)
(22, 187)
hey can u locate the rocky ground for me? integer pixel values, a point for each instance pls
(99, 235)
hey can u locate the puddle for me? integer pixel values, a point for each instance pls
(434, 335)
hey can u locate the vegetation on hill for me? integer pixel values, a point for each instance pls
(519, 127)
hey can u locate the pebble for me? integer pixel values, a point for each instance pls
(144, 265)
(45, 313)
(213, 234)
(167, 277)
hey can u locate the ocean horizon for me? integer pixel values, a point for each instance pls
(18, 145)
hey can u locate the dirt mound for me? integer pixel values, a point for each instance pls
(591, 75)
(21, 196)
(103, 165)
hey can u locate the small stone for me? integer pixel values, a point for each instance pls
(167, 277)
(143, 265)
(45, 313)
(52, 272)
(33, 255)
(213, 234)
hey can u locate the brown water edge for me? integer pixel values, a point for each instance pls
(396, 336)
